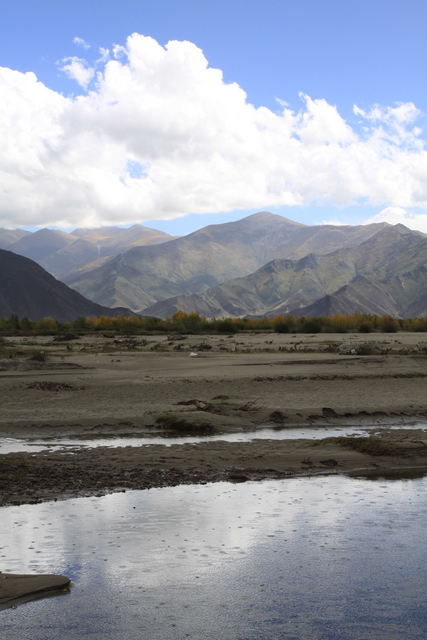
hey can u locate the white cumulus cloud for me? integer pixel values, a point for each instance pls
(397, 215)
(77, 69)
(201, 145)
(80, 42)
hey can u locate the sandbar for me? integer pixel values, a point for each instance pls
(244, 382)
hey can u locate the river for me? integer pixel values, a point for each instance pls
(34, 445)
(321, 558)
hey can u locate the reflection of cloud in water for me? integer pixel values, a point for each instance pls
(297, 556)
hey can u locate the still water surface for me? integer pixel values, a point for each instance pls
(324, 558)
(13, 445)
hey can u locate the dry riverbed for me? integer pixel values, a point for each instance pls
(100, 385)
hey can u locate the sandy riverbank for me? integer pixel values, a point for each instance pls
(17, 588)
(95, 386)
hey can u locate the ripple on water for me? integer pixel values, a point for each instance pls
(330, 557)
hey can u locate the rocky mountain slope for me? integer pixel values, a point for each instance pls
(385, 275)
(210, 256)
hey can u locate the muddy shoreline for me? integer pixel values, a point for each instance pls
(31, 478)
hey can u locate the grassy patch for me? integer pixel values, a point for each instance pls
(366, 349)
(182, 425)
(54, 386)
(370, 446)
(38, 356)
(10, 463)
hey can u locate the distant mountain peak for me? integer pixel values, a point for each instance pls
(384, 275)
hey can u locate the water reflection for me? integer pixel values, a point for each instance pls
(13, 445)
(321, 558)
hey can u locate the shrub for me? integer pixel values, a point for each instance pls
(39, 356)
(47, 325)
(283, 327)
(389, 325)
(80, 324)
(225, 326)
(312, 325)
(341, 330)
(365, 349)
(27, 324)
(421, 325)
(13, 323)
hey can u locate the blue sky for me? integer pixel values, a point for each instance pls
(146, 132)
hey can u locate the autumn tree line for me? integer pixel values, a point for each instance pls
(193, 323)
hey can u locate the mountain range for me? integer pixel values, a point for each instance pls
(142, 276)
(63, 253)
(261, 265)
(385, 275)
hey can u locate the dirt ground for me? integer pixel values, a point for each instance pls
(104, 384)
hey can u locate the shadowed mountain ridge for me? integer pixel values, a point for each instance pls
(27, 290)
